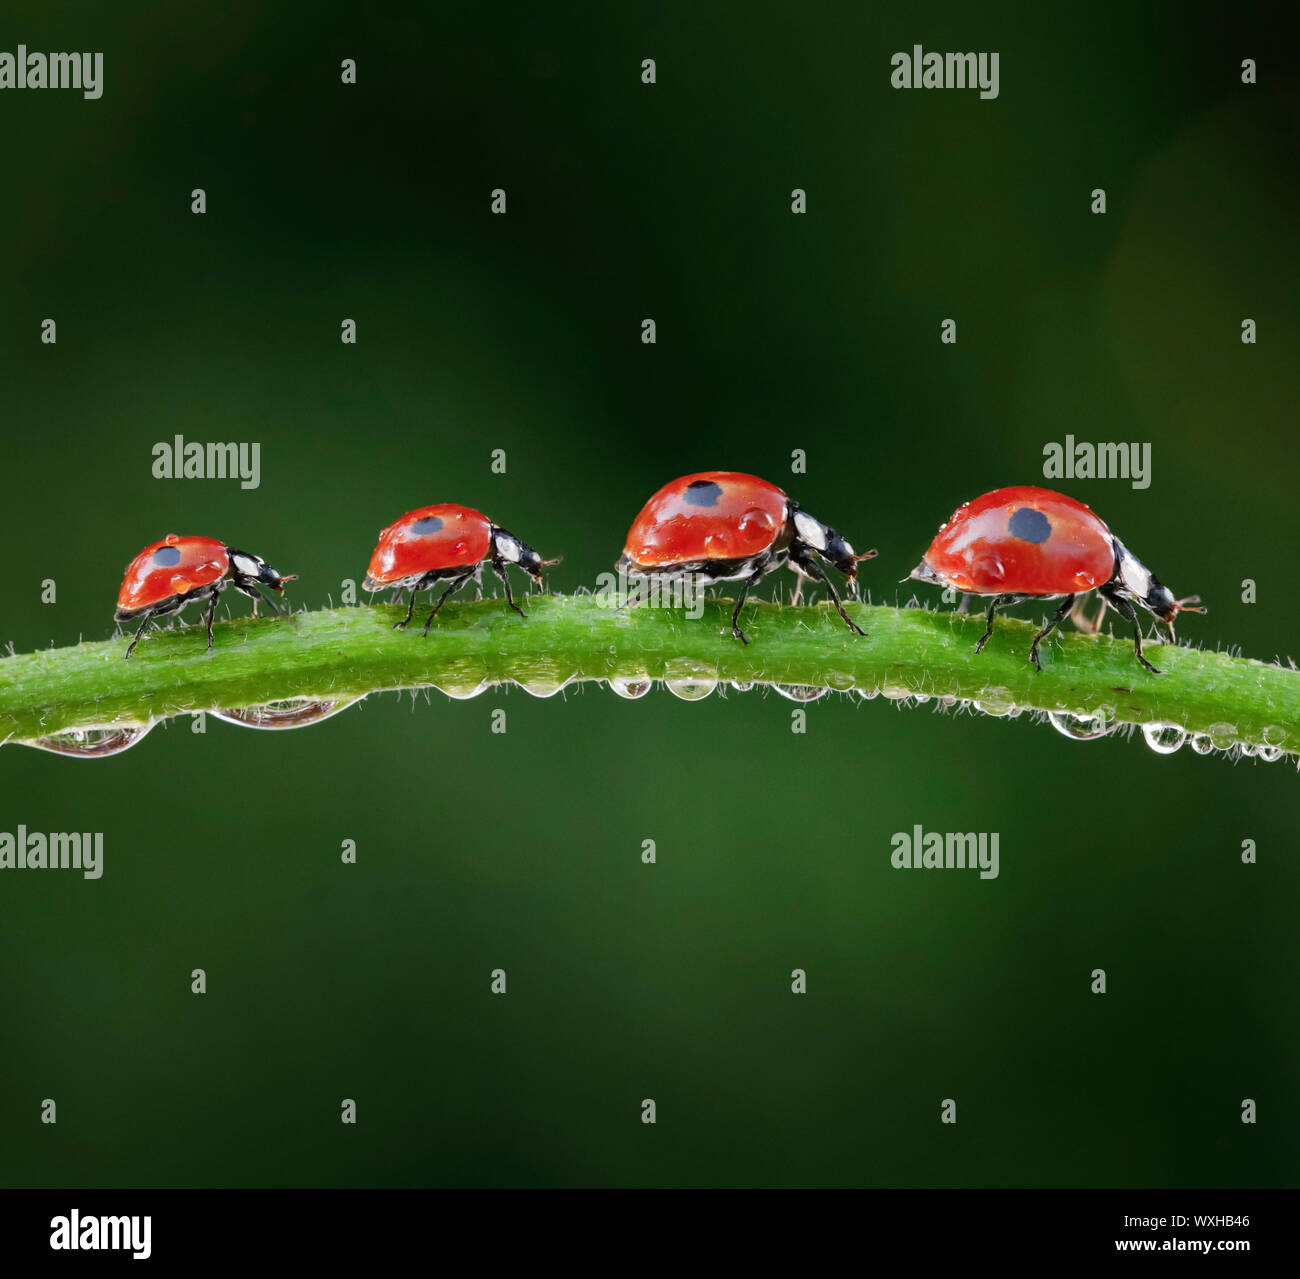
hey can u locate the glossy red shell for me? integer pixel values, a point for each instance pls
(429, 538)
(712, 515)
(1023, 541)
(174, 566)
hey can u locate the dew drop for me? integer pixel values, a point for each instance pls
(462, 692)
(1201, 744)
(1222, 735)
(800, 692)
(91, 743)
(689, 680)
(996, 701)
(1079, 728)
(293, 712)
(868, 694)
(1164, 739)
(546, 676)
(1269, 754)
(742, 685)
(539, 685)
(631, 688)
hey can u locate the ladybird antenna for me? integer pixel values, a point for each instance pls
(559, 559)
(866, 555)
(1189, 604)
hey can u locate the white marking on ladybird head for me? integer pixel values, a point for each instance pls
(810, 530)
(509, 547)
(1133, 574)
(246, 565)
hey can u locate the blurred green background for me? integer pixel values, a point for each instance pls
(522, 851)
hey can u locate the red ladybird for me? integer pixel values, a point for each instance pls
(1029, 543)
(725, 526)
(446, 541)
(170, 574)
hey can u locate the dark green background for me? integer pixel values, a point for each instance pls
(521, 851)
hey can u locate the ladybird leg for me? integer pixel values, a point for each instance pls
(212, 613)
(839, 605)
(999, 601)
(455, 585)
(813, 570)
(499, 568)
(797, 593)
(740, 603)
(1079, 616)
(148, 617)
(1057, 618)
(963, 604)
(1130, 614)
(255, 595)
(478, 584)
(410, 608)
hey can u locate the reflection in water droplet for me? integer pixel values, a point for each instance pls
(1085, 581)
(293, 712)
(1079, 728)
(1164, 739)
(988, 567)
(996, 701)
(742, 685)
(1222, 735)
(920, 698)
(800, 692)
(1201, 744)
(688, 679)
(840, 681)
(462, 692)
(1269, 754)
(91, 743)
(868, 694)
(543, 685)
(630, 687)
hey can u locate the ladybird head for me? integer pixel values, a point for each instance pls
(829, 544)
(256, 571)
(1162, 603)
(1141, 584)
(513, 551)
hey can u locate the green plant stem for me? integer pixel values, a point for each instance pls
(345, 653)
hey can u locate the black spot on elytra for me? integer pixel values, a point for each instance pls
(166, 557)
(1030, 525)
(426, 527)
(702, 493)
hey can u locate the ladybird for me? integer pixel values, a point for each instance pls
(168, 575)
(449, 543)
(1024, 543)
(725, 526)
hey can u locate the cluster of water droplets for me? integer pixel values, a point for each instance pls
(693, 680)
